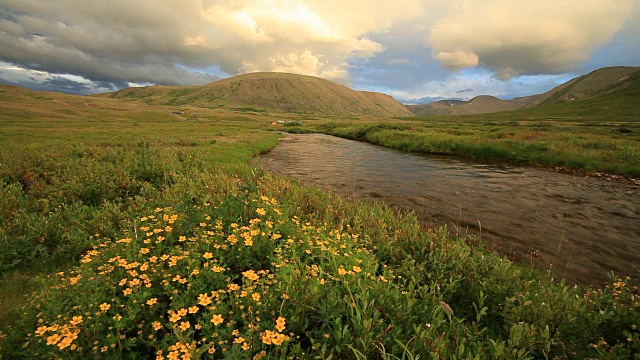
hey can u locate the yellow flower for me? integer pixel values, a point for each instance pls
(156, 325)
(357, 269)
(239, 340)
(280, 323)
(53, 339)
(341, 271)
(182, 312)
(278, 339)
(127, 291)
(104, 306)
(174, 317)
(184, 325)
(246, 347)
(208, 255)
(204, 299)
(255, 296)
(193, 309)
(144, 251)
(76, 320)
(217, 319)
(152, 301)
(261, 211)
(251, 275)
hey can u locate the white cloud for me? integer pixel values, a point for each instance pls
(154, 40)
(527, 36)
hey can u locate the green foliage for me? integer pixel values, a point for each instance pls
(248, 274)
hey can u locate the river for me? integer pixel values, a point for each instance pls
(579, 227)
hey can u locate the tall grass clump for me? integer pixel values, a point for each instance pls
(269, 269)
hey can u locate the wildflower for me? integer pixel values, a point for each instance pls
(193, 309)
(184, 325)
(357, 269)
(280, 323)
(174, 317)
(255, 296)
(341, 271)
(217, 319)
(246, 347)
(204, 299)
(144, 251)
(104, 307)
(239, 340)
(278, 339)
(207, 255)
(76, 320)
(182, 312)
(251, 275)
(53, 339)
(127, 291)
(261, 211)
(156, 325)
(152, 301)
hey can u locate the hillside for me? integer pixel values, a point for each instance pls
(270, 92)
(598, 82)
(478, 105)
(386, 103)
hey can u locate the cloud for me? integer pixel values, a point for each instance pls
(525, 37)
(168, 41)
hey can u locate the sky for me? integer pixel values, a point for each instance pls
(415, 50)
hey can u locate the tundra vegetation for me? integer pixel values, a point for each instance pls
(133, 231)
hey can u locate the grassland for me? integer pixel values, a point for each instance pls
(588, 136)
(142, 231)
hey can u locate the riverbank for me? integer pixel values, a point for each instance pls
(582, 228)
(158, 239)
(586, 146)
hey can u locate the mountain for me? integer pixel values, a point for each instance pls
(598, 82)
(387, 103)
(478, 105)
(270, 92)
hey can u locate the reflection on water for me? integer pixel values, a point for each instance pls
(585, 227)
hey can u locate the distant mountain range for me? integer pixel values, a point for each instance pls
(271, 92)
(478, 105)
(280, 93)
(599, 82)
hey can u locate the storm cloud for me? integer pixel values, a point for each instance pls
(166, 41)
(400, 45)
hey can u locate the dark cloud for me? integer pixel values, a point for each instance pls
(464, 90)
(67, 85)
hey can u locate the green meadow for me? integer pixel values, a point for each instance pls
(598, 135)
(133, 231)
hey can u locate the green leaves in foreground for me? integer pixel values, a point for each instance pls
(253, 276)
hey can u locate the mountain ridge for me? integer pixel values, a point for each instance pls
(481, 104)
(271, 92)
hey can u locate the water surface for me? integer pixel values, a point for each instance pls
(581, 227)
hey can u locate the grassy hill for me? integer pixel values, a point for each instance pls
(270, 92)
(387, 103)
(598, 82)
(478, 105)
